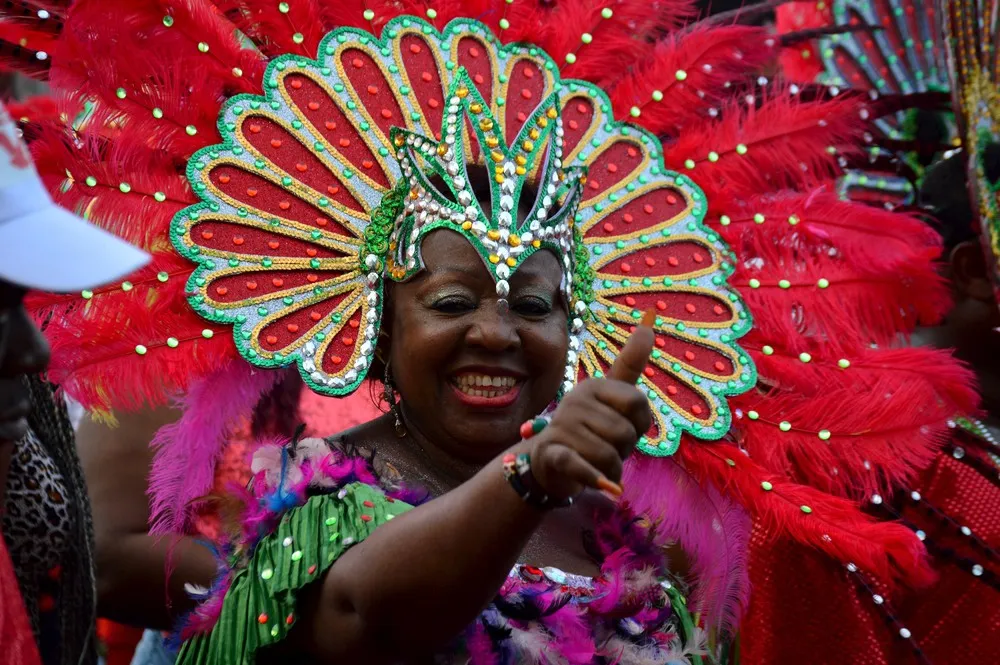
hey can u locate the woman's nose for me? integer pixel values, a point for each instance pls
(25, 350)
(494, 328)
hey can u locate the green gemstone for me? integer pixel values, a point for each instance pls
(91, 181)
(87, 295)
(806, 509)
(766, 486)
(140, 349)
(168, 20)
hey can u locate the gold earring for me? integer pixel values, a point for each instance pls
(390, 398)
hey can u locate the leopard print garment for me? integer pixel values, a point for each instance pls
(38, 527)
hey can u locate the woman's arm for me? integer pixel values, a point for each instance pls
(131, 582)
(417, 581)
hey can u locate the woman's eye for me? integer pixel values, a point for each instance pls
(454, 305)
(532, 307)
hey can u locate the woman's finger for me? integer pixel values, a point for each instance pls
(574, 469)
(634, 355)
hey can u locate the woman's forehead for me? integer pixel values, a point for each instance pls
(444, 250)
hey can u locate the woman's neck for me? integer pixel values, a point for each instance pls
(440, 461)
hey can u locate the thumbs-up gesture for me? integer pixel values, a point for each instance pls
(595, 426)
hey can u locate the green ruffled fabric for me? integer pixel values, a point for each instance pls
(260, 607)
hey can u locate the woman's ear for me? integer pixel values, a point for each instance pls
(969, 273)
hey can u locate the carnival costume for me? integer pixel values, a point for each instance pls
(282, 160)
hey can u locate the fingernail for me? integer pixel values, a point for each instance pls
(648, 318)
(608, 486)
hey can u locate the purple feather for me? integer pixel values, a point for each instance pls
(187, 451)
(713, 531)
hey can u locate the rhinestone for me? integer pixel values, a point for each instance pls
(977, 570)
(878, 599)
(852, 568)
(958, 452)
(966, 531)
(905, 633)
(921, 535)
(915, 495)
(877, 499)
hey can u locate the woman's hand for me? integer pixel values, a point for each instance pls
(595, 426)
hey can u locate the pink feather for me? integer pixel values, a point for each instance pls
(713, 530)
(188, 450)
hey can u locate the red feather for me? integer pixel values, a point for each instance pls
(622, 40)
(350, 13)
(786, 144)
(94, 355)
(129, 49)
(833, 525)
(273, 30)
(799, 294)
(859, 233)
(692, 70)
(877, 437)
(137, 216)
(945, 383)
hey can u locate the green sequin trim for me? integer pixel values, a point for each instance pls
(259, 610)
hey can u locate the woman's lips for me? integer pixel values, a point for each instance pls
(479, 389)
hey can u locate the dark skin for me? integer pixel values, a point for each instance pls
(460, 546)
(23, 351)
(130, 564)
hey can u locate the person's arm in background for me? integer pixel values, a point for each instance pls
(131, 579)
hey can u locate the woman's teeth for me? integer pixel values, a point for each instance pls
(480, 385)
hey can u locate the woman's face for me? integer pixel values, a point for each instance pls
(23, 351)
(467, 372)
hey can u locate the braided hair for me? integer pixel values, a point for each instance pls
(50, 423)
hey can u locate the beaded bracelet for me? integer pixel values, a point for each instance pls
(517, 473)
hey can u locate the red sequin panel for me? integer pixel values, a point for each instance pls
(264, 284)
(674, 258)
(254, 191)
(237, 239)
(679, 393)
(616, 165)
(422, 71)
(525, 91)
(577, 116)
(687, 351)
(474, 56)
(341, 346)
(292, 327)
(638, 215)
(851, 70)
(284, 149)
(697, 308)
(372, 89)
(330, 122)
